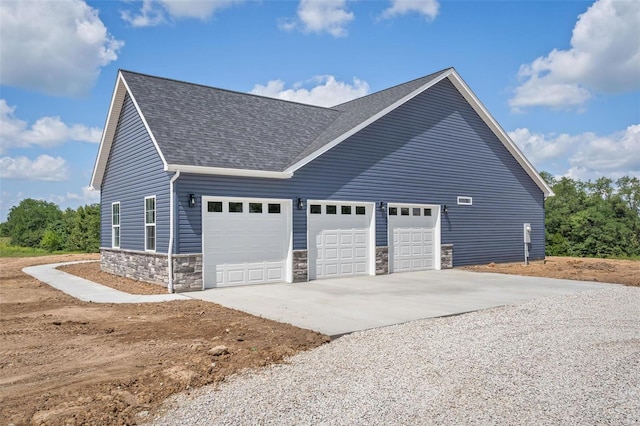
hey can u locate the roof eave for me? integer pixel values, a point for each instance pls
(222, 171)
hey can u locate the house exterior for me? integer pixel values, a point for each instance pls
(203, 187)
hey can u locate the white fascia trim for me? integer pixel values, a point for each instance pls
(365, 123)
(484, 114)
(202, 170)
(117, 101)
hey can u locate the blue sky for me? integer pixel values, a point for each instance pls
(562, 77)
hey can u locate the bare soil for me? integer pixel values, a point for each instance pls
(63, 361)
(92, 272)
(625, 272)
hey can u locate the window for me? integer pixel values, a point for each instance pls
(235, 207)
(404, 211)
(255, 207)
(315, 209)
(427, 212)
(115, 225)
(331, 209)
(150, 223)
(274, 208)
(465, 201)
(360, 210)
(416, 211)
(345, 209)
(393, 211)
(214, 206)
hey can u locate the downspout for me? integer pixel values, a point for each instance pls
(171, 228)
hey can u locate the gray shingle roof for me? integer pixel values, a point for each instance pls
(198, 125)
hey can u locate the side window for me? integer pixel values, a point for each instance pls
(115, 225)
(150, 223)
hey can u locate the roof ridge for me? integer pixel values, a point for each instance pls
(237, 92)
(432, 75)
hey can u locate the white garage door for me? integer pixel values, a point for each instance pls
(245, 241)
(413, 237)
(341, 239)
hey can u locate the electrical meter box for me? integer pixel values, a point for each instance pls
(527, 233)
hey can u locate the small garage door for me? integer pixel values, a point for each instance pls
(341, 239)
(245, 241)
(413, 237)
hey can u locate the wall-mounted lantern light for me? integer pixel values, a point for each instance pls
(192, 200)
(299, 203)
(445, 209)
(383, 206)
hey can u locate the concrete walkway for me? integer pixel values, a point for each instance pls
(88, 290)
(338, 306)
(343, 305)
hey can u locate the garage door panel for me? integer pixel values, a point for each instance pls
(248, 247)
(342, 240)
(412, 237)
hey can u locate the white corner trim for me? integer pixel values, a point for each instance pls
(367, 122)
(484, 114)
(117, 100)
(203, 170)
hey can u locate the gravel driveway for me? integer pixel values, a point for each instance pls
(561, 360)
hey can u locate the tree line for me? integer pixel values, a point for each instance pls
(584, 219)
(40, 224)
(593, 219)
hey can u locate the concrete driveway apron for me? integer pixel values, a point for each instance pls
(343, 305)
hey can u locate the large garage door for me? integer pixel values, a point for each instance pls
(413, 236)
(245, 241)
(341, 239)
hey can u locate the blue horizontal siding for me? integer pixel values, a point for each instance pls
(134, 171)
(430, 150)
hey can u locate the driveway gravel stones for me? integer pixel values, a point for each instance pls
(562, 360)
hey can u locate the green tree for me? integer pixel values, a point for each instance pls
(85, 233)
(52, 240)
(27, 222)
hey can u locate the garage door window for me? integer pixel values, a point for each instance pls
(214, 206)
(332, 209)
(416, 211)
(393, 211)
(404, 211)
(315, 209)
(235, 207)
(427, 212)
(361, 210)
(346, 209)
(255, 207)
(274, 208)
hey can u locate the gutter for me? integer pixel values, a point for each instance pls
(171, 227)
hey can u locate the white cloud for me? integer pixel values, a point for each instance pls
(56, 47)
(327, 91)
(427, 8)
(318, 16)
(44, 167)
(156, 12)
(86, 196)
(584, 156)
(604, 58)
(45, 132)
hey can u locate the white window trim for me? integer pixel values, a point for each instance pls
(149, 225)
(113, 227)
(462, 201)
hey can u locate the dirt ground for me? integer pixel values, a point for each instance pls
(63, 361)
(585, 269)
